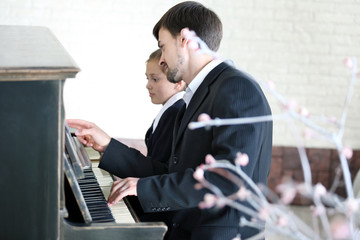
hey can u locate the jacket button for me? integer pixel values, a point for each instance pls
(175, 160)
(175, 225)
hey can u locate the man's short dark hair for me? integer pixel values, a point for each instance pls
(196, 17)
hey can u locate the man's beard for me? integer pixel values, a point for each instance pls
(171, 73)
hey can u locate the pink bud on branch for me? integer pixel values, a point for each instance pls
(349, 63)
(209, 201)
(199, 174)
(209, 159)
(242, 159)
(347, 152)
(204, 117)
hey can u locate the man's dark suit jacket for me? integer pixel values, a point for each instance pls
(225, 93)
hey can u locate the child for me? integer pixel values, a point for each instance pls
(158, 138)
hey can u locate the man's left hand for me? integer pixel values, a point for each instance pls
(122, 188)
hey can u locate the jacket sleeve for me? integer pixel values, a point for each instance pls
(123, 162)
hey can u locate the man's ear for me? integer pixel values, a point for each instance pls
(184, 36)
(189, 38)
(183, 41)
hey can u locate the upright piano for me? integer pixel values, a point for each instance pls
(38, 173)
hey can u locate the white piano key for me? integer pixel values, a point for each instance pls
(119, 210)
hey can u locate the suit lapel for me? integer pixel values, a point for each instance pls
(148, 137)
(197, 100)
(178, 119)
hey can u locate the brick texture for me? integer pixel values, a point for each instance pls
(324, 164)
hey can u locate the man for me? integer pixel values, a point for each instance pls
(214, 88)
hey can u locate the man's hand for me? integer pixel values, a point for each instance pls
(89, 134)
(122, 188)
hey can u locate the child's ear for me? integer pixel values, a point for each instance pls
(180, 86)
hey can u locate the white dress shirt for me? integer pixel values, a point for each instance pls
(199, 78)
(168, 103)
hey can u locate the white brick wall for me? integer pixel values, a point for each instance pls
(300, 45)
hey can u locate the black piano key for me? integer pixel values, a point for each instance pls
(94, 198)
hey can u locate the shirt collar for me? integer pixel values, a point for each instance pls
(173, 99)
(199, 78)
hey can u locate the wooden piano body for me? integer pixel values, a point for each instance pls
(33, 70)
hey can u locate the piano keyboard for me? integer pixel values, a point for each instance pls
(94, 198)
(90, 186)
(119, 210)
